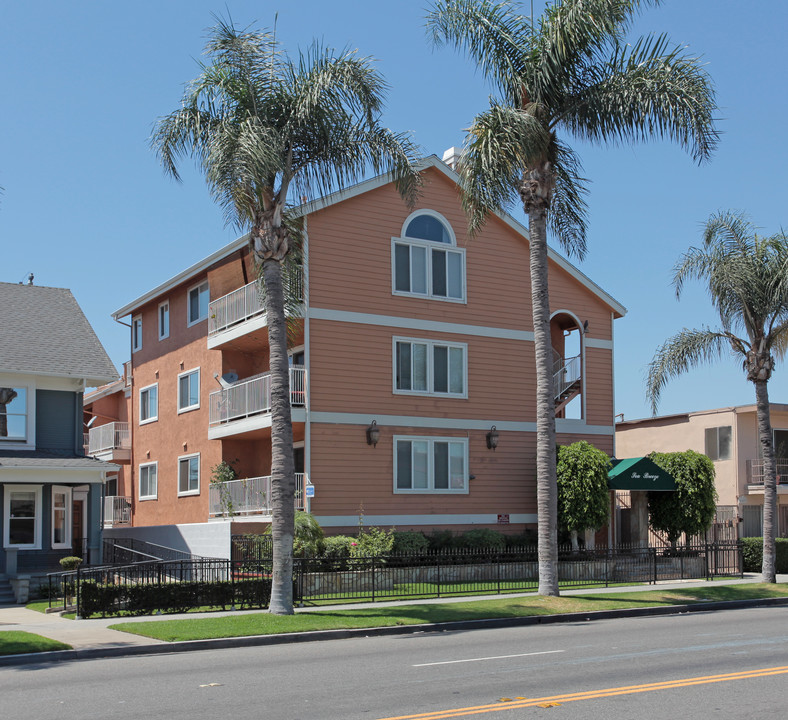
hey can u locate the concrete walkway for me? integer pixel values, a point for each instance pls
(93, 638)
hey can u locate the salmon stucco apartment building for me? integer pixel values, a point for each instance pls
(412, 378)
(729, 436)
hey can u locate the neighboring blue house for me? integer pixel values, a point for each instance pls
(50, 493)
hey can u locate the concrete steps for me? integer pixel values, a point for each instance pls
(6, 593)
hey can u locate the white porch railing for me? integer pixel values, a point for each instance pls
(566, 372)
(755, 472)
(245, 303)
(252, 396)
(112, 436)
(117, 510)
(251, 496)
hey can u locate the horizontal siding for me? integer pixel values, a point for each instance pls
(599, 386)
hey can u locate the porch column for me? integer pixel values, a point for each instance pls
(639, 518)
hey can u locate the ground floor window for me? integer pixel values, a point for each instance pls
(430, 465)
(189, 475)
(22, 517)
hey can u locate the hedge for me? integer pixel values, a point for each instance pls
(753, 554)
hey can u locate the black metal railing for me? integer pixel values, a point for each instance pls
(122, 550)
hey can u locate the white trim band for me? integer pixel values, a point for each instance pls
(395, 520)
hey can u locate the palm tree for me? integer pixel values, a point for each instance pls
(262, 125)
(572, 73)
(747, 277)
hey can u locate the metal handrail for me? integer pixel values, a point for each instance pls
(252, 396)
(566, 374)
(112, 436)
(249, 496)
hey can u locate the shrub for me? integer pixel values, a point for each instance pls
(337, 546)
(70, 563)
(372, 543)
(583, 495)
(410, 542)
(483, 539)
(526, 539)
(753, 554)
(442, 540)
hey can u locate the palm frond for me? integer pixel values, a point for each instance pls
(682, 352)
(569, 210)
(644, 91)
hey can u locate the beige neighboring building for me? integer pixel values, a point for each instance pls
(729, 436)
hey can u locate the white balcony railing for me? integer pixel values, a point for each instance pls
(252, 396)
(245, 303)
(755, 472)
(117, 510)
(566, 372)
(112, 436)
(251, 496)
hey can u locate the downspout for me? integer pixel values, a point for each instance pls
(613, 386)
(130, 381)
(308, 378)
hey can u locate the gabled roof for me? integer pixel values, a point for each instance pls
(43, 331)
(430, 162)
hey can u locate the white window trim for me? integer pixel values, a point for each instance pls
(7, 490)
(155, 417)
(134, 321)
(30, 416)
(164, 335)
(68, 511)
(717, 437)
(430, 392)
(452, 247)
(189, 408)
(187, 493)
(431, 440)
(189, 322)
(139, 483)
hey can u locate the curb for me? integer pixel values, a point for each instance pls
(322, 635)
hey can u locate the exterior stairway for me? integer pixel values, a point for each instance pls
(7, 596)
(567, 380)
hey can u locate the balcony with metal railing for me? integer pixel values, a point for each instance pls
(252, 397)
(117, 511)
(250, 496)
(111, 442)
(755, 475)
(243, 310)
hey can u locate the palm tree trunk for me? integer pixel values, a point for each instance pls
(282, 467)
(768, 569)
(546, 488)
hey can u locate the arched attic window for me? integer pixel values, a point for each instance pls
(426, 261)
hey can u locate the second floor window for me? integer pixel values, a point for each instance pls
(423, 366)
(189, 475)
(189, 390)
(164, 320)
(718, 442)
(198, 301)
(149, 481)
(13, 414)
(426, 261)
(149, 404)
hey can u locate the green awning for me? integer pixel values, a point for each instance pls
(639, 474)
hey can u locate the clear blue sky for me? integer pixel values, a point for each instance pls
(87, 207)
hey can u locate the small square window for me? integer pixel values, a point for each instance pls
(189, 391)
(189, 475)
(149, 404)
(198, 301)
(164, 320)
(718, 442)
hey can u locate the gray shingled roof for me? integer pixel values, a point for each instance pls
(43, 330)
(49, 459)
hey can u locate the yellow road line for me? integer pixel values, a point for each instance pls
(593, 694)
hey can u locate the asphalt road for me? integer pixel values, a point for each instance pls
(729, 664)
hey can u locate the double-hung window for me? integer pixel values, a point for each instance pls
(430, 465)
(136, 334)
(426, 261)
(149, 481)
(718, 442)
(61, 517)
(164, 320)
(149, 404)
(189, 390)
(197, 303)
(13, 414)
(22, 516)
(189, 475)
(430, 367)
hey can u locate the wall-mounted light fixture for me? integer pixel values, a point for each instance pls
(492, 438)
(373, 433)
(585, 327)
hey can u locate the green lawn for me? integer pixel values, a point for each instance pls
(14, 642)
(265, 624)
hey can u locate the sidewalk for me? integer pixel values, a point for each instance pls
(93, 638)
